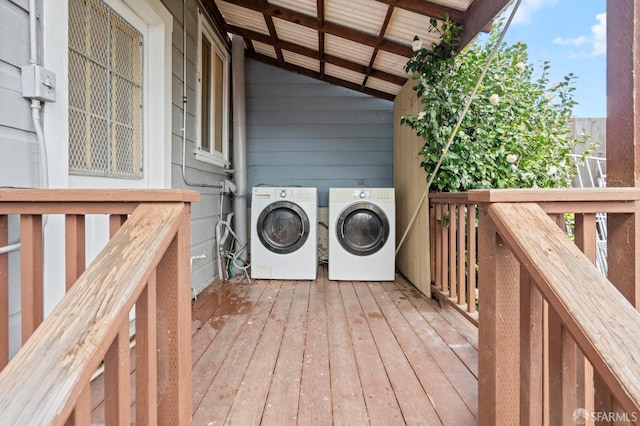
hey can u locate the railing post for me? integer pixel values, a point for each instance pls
(531, 348)
(31, 274)
(499, 328)
(174, 329)
(74, 248)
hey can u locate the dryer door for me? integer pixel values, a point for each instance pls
(283, 227)
(362, 228)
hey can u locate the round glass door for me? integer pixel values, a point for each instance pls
(362, 229)
(283, 227)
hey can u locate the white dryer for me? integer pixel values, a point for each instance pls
(284, 224)
(362, 234)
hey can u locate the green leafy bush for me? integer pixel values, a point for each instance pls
(516, 133)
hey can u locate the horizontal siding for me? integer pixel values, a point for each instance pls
(14, 21)
(305, 132)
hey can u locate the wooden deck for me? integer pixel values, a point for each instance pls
(326, 352)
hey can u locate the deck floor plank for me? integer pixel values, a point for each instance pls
(380, 399)
(206, 367)
(346, 389)
(282, 401)
(315, 388)
(413, 400)
(434, 381)
(251, 396)
(412, 305)
(326, 352)
(216, 403)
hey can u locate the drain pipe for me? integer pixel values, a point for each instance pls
(239, 144)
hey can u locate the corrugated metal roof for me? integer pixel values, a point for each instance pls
(343, 48)
(303, 36)
(344, 74)
(366, 15)
(360, 44)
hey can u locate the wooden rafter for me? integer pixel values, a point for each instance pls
(476, 18)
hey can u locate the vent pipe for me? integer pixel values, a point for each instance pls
(239, 145)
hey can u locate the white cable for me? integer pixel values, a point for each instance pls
(457, 126)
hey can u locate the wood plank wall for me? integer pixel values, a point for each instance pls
(410, 181)
(306, 132)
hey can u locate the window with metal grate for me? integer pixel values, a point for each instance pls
(105, 92)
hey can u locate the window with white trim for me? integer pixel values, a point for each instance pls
(213, 97)
(105, 92)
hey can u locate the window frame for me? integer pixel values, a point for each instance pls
(218, 49)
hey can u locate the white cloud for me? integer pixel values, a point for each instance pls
(527, 9)
(596, 41)
(599, 33)
(577, 41)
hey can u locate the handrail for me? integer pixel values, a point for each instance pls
(52, 371)
(596, 315)
(453, 242)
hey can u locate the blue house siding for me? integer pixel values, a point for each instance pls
(305, 132)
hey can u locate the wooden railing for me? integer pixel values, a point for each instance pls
(557, 340)
(144, 266)
(454, 252)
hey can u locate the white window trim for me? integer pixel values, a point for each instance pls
(157, 111)
(216, 158)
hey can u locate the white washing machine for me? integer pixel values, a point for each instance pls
(362, 234)
(284, 226)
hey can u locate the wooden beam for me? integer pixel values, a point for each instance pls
(623, 134)
(327, 78)
(478, 16)
(427, 8)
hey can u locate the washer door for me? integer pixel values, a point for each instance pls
(283, 227)
(362, 229)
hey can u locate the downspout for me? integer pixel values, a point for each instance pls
(35, 104)
(239, 144)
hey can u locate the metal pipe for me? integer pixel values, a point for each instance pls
(36, 105)
(239, 145)
(10, 248)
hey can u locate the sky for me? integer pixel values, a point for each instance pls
(571, 35)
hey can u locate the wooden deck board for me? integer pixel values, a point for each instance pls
(315, 387)
(326, 352)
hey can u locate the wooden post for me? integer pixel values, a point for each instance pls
(174, 329)
(31, 273)
(146, 359)
(531, 349)
(499, 332)
(74, 248)
(623, 146)
(117, 383)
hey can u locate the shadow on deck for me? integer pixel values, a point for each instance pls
(326, 352)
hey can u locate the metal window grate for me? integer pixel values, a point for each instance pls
(105, 92)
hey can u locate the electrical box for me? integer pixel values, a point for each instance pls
(38, 83)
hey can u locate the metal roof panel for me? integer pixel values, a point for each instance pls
(404, 25)
(242, 17)
(264, 49)
(297, 34)
(301, 60)
(391, 63)
(364, 15)
(343, 73)
(347, 49)
(308, 7)
(383, 86)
